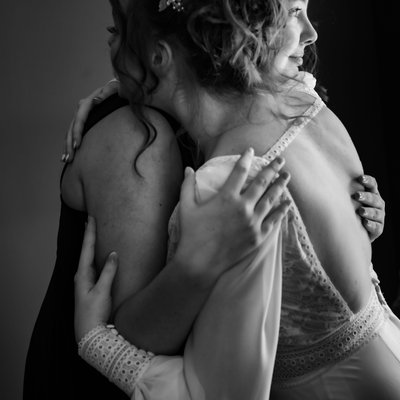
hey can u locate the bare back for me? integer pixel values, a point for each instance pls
(324, 164)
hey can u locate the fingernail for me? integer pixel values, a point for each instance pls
(97, 99)
(279, 160)
(285, 175)
(113, 257)
(75, 144)
(63, 158)
(358, 196)
(188, 170)
(67, 157)
(362, 211)
(363, 179)
(250, 151)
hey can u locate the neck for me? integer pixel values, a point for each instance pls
(224, 127)
(216, 123)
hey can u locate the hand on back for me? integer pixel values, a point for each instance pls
(372, 206)
(73, 137)
(216, 235)
(219, 233)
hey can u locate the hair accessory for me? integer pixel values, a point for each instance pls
(176, 5)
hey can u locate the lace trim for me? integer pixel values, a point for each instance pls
(297, 125)
(107, 351)
(291, 364)
(312, 307)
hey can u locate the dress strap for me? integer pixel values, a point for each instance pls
(291, 133)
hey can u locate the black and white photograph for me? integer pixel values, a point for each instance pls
(200, 200)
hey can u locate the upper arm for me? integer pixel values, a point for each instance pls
(131, 211)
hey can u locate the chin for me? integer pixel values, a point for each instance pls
(292, 71)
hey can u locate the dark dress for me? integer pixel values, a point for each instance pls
(53, 369)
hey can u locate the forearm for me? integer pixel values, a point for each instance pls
(160, 316)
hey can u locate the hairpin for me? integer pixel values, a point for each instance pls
(176, 5)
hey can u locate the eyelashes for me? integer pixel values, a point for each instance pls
(295, 12)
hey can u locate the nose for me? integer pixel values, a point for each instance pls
(309, 34)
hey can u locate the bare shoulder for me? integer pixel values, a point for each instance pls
(130, 186)
(114, 153)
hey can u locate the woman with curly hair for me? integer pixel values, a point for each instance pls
(303, 317)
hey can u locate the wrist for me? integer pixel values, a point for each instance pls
(84, 324)
(192, 271)
(121, 362)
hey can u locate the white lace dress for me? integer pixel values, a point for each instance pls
(273, 328)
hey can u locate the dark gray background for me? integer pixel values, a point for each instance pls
(54, 52)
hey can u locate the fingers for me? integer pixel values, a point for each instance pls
(238, 176)
(68, 144)
(261, 182)
(272, 195)
(275, 217)
(372, 214)
(372, 210)
(369, 182)
(107, 275)
(187, 197)
(370, 199)
(109, 89)
(73, 138)
(374, 229)
(85, 276)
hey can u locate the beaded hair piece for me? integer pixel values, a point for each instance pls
(176, 5)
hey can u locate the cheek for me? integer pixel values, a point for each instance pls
(290, 40)
(287, 46)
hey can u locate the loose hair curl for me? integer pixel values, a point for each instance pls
(229, 45)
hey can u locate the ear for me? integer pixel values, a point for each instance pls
(161, 58)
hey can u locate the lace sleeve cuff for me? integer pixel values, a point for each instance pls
(121, 362)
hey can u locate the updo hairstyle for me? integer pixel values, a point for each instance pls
(228, 45)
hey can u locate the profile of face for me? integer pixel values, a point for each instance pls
(296, 36)
(294, 33)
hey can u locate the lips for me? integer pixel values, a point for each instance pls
(297, 59)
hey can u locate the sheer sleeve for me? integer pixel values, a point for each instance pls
(230, 353)
(140, 374)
